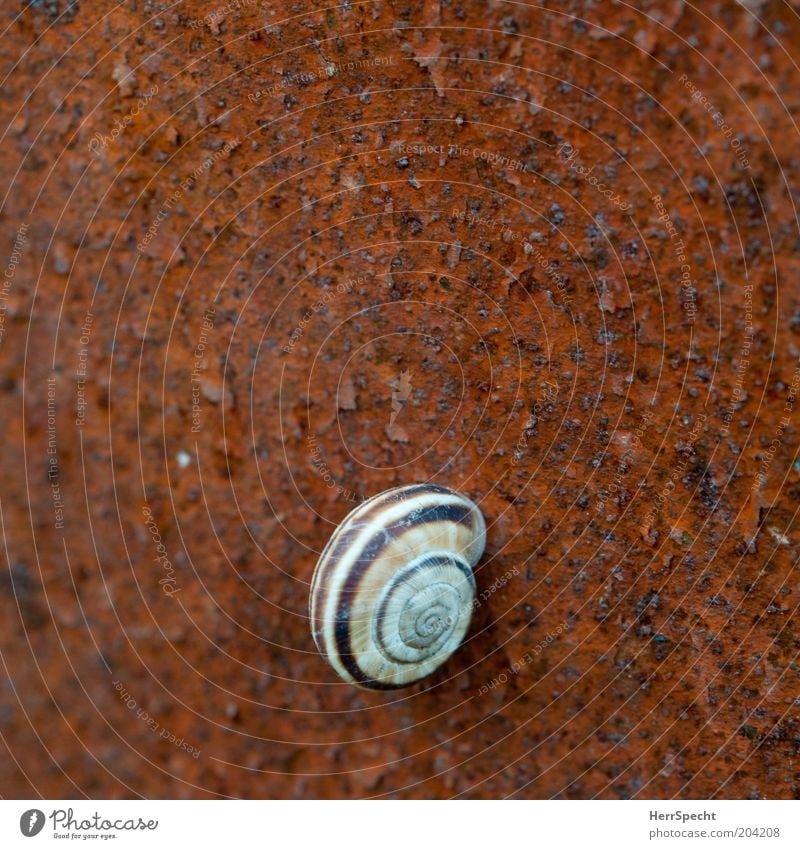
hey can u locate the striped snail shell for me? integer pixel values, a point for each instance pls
(393, 591)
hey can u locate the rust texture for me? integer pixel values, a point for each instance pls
(264, 260)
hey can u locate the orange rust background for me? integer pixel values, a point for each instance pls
(224, 271)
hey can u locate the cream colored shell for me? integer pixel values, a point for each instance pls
(393, 591)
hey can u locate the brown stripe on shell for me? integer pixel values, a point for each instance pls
(343, 537)
(432, 560)
(346, 534)
(458, 513)
(361, 541)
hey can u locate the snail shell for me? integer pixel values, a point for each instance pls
(393, 591)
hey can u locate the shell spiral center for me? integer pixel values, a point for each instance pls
(393, 592)
(424, 609)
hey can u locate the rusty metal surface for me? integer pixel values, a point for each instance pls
(266, 260)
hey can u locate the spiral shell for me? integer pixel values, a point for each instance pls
(393, 591)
